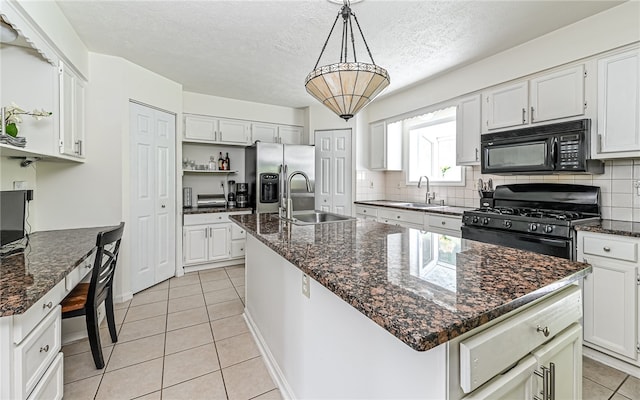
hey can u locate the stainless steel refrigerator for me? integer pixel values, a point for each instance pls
(267, 168)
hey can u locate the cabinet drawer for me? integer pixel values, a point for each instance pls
(237, 232)
(24, 323)
(79, 272)
(209, 218)
(34, 355)
(369, 211)
(395, 215)
(481, 357)
(442, 222)
(237, 248)
(610, 247)
(51, 385)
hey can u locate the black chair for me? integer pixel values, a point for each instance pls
(85, 298)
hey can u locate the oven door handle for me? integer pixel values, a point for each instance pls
(552, 242)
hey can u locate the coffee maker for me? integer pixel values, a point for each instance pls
(242, 194)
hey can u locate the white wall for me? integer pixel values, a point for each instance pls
(196, 103)
(613, 28)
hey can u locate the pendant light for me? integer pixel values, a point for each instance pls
(347, 86)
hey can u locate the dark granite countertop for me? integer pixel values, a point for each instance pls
(206, 210)
(50, 256)
(424, 288)
(613, 227)
(446, 210)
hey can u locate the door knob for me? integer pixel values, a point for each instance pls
(163, 206)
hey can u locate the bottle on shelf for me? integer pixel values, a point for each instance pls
(228, 162)
(212, 163)
(220, 162)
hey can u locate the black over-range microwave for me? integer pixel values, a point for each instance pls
(548, 149)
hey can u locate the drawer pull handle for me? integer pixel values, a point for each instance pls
(444, 223)
(48, 305)
(606, 248)
(545, 330)
(44, 348)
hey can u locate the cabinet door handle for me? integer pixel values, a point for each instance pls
(476, 154)
(44, 348)
(606, 248)
(444, 223)
(531, 113)
(544, 374)
(524, 111)
(48, 305)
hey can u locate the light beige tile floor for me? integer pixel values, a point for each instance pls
(186, 338)
(181, 339)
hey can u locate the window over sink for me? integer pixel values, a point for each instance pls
(431, 147)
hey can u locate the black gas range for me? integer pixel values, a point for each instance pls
(539, 217)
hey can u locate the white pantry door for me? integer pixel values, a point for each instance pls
(153, 202)
(333, 171)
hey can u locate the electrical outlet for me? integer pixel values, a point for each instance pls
(306, 288)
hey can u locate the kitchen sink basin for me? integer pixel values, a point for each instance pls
(319, 217)
(415, 205)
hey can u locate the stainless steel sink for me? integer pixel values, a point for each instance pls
(416, 205)
(318, 217)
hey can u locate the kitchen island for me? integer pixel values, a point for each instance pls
(363, 309)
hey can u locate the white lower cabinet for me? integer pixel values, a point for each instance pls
(407, 219)
(212, 239)
(611, 301)
(433, 222)
(444, 224)
(51, 385)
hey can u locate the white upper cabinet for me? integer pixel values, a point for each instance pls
(557, 95)
(272, 133)
(266, 133)
(618, 126)
(290, 135)
(200, 128)
(234, 131)
(507, 106)
(72, 98)
(468, 130)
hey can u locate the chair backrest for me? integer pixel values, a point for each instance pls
(104, 266)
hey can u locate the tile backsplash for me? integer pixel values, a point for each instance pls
(620, 199)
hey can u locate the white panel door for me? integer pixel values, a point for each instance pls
(153, 208)
(200, 128)
(234, 131)
(165, 195)
(378, 146)
(468, 130)
(219, 237)
(142, 226)
(290, 135)
(334, 167)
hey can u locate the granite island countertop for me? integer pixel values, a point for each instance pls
(387, 273)
(51, 255)
(613, 227)
(446, 210)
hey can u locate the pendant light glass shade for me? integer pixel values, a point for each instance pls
(346, 87)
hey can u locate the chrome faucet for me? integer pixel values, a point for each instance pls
(428, 196)
(289, 201)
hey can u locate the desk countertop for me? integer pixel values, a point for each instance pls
(50, 256)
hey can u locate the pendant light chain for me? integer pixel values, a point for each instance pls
(353, 42)
(327, 41)
(363, 39)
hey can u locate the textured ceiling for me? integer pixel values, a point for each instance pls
(262, 50)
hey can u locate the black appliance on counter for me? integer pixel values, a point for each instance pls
(538, 217)
(547, 149)
(242, 194)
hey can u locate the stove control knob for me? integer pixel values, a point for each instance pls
(533, 227)
(485, 221)
(507, 223)
(474, 219)
(548, 229)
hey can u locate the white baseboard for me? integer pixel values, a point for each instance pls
(613, 362)
(219, 264)
(274, 370)
(121, 298)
